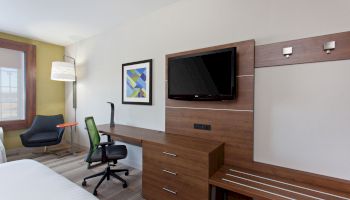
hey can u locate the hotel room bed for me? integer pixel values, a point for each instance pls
(2, 148)
(29, 179)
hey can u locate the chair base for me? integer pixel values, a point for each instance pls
(46, 152)
(91, 166)
(107, 173)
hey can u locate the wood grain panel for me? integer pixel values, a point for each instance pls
(231, 121)
(233, 128)
(307, 50)
(244, 100)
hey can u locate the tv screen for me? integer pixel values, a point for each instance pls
(205, 76)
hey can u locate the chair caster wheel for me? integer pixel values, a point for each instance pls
(125, 185)
(83, 183)
(126, 173)
(95, 193)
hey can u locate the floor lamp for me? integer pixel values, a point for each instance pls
(66, 71)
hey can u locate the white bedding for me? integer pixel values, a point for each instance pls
(31, 180)
(2, 148)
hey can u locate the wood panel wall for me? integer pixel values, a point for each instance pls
(231, 121)
(306, 50)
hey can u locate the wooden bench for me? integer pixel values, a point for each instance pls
(261, 186)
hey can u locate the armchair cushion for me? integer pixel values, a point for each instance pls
(43, 137)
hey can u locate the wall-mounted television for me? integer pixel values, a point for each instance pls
(203, 76)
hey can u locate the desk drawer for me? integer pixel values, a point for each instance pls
(157, 185)
(176, 179)
(178, 159)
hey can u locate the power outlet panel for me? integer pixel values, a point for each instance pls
(206, 127)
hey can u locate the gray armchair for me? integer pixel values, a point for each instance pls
(43, 131)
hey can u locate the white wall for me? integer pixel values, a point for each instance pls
(302, 118)
(191, 24)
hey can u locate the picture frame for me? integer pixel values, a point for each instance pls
(137, 82)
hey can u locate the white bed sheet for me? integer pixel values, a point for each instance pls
(31, 180)
(2, 147)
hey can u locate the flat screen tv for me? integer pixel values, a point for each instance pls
(204, 76)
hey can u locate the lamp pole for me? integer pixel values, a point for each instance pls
(74, 96)
(74, 87)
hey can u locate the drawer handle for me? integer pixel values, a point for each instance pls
(169, 154)
(169, 172)
(170, 191)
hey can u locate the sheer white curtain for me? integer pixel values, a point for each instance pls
(12, 85)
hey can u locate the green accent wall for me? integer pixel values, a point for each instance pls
(50, 95)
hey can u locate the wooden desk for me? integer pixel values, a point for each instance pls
(174, 166)
(134, 135)
(130, 134)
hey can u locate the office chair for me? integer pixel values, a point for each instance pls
(105, 152)
(43, 132)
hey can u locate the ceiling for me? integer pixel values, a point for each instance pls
(64, 22)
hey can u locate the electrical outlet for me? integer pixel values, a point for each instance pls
(206, 127)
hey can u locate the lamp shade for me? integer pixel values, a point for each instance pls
(62, 71)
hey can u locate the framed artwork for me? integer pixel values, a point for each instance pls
(137, 83)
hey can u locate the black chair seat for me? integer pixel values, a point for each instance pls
(43, 137)
(113, 152)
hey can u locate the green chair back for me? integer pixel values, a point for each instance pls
(94, 135)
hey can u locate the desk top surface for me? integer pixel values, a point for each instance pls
(137, 135)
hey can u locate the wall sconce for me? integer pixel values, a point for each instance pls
(328, 46)
(287, 51)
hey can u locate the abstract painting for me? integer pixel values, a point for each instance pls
(137, 83)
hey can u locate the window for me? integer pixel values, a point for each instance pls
(12, 85)
(17, 84)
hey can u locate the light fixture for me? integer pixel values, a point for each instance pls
(62, 71)
(66, 71)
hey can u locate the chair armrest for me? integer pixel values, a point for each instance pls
(104, 154)
(102, 144)
(108, 136)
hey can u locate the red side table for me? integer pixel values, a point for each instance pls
(69, 124)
